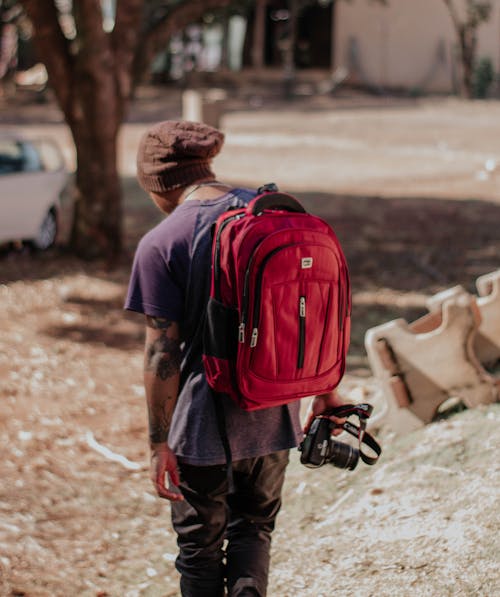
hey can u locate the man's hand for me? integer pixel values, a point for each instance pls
(319, 404)
(163, 461)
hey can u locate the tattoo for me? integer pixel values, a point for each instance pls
(164, 356)
(158, 323)
(159, 421)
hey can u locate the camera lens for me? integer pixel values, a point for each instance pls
(343, 455)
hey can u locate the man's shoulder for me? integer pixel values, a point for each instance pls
(175, 226)
(180, 225)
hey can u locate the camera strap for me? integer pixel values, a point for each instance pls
(363, 412)
(364, 438)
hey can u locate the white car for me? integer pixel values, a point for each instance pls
(32, 179)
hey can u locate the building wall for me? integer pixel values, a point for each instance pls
(406, 44)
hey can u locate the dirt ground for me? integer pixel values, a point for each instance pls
(78, 516)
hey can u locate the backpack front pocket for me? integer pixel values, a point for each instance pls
(298, 338)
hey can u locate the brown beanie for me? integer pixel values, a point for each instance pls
(175, 154)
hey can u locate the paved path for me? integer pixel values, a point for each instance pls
(430, 148)
(434, 149)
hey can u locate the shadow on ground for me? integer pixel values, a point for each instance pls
(403, 247)
(412, 244)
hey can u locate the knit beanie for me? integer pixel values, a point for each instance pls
(175, 154)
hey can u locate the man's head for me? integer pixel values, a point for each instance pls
(173, 155)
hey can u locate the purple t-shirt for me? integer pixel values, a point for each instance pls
(170, 278)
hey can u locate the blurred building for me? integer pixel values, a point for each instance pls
(393, 45)
(396, 45)
(274, 24)
(271, 35)
(406, 44)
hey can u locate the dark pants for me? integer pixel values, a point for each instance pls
(245, 518)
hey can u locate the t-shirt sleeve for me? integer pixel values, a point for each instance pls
(156, 286)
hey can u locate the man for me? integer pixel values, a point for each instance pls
(224, 537)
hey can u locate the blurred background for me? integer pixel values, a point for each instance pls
(383, 117)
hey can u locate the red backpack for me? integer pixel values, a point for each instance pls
(278, 317)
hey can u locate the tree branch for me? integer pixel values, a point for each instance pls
(125, 39)
(91, 36)
(177, 19)
(477, 13)
(53, 49)
(95, 67)
(454, 15)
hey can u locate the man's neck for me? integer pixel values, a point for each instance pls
(204, 189)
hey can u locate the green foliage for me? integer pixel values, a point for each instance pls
(478, 12)
(484, 76)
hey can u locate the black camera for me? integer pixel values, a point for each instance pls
(319, 446)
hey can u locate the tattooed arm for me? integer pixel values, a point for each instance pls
(162, 357)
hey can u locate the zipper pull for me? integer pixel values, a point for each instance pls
(302, 306)
(255, 335)
(241, 333)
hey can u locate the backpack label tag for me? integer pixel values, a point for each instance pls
(307, 262)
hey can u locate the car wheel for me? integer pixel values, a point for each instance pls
(48, 232)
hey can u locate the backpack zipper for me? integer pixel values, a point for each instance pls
(257, 294)
(341, 307)
(244, 306)
(343, 301)
(302, 331)
(258, 298)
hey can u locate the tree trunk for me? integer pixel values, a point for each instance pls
(92, 82)
(467, 55)
(476, 13)
(97, 223)
(95, 119)
(259, 34)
